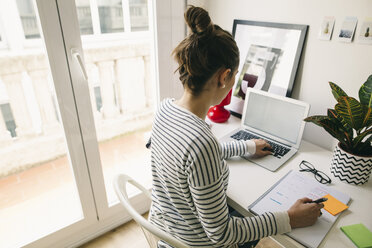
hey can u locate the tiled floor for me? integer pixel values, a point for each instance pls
(45, 198)
(23, 186)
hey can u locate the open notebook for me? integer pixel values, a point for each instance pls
(294, 185)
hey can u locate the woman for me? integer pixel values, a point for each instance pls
(190, 174)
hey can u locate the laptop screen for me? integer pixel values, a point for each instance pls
(274, 116)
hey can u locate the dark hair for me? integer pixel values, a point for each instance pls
(205, 50)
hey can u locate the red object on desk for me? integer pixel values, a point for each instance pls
(218, 113)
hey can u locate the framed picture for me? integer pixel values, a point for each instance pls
(347, 29)
(269, 58)
(326, 28)
(365, 35)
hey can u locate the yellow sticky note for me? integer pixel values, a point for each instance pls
(333, 206)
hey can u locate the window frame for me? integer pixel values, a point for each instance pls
(96, 37)
(56, 27)
(126, 34)
(35, 42)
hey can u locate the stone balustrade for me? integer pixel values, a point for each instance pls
(123, 73)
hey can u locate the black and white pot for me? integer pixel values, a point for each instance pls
(350, 168)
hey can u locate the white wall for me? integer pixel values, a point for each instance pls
(347, 64)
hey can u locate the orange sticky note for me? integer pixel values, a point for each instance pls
(333, 206)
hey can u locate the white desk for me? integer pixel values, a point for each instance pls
(249, 181)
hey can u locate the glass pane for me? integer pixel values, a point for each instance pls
(28, 19)
(84, 16)
(139, 19)
(122, 93)
(38, 193)
(110, 16)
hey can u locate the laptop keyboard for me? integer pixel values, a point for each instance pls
(277, 150)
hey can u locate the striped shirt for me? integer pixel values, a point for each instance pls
(190, 177)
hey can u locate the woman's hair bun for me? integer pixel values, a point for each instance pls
(198, 20)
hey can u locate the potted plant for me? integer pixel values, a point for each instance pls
(350, 122)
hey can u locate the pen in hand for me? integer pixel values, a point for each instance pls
(319, 200)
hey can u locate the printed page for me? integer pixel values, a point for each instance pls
(294, 186)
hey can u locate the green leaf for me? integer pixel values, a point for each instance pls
(358, 139)
(346, 129)
(369, 140)
(333, 129)
(350, 110)
(367, 113)
(333, 115)
(337, 91)
(364, 149)
(365, 92)
(316, 119)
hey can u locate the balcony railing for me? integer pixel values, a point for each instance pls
(124, 76)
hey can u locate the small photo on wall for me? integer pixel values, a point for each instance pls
(326, 28)
(347, 29)
(365, 34)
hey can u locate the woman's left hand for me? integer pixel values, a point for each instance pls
(262, 147)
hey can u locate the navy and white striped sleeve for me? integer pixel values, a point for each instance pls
(208, 194)
(237, 148)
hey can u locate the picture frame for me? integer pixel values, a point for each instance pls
(365, 34)
(347, 29)
(326, 28)
(269, 58)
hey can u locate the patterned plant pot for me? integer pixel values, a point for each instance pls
(350, 168)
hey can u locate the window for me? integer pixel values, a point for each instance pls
(138, 15)
(28, 19)
(53, 166)
(95, 17)
(8, 118)
(85, 16)
(111, 16)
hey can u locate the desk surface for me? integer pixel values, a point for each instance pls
(248, 181)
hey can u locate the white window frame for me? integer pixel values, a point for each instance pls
(48, 12)
(109, 216)
(65, 69)
(126, 16)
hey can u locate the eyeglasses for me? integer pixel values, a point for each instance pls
(319, 175)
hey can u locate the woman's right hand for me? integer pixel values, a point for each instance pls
(303, 213)
(262, 148)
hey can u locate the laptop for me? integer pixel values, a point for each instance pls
(276, 119)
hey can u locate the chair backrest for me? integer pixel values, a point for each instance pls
(120, 186)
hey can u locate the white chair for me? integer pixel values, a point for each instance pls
(152, 233)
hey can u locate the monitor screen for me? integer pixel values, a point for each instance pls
(274, 116)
